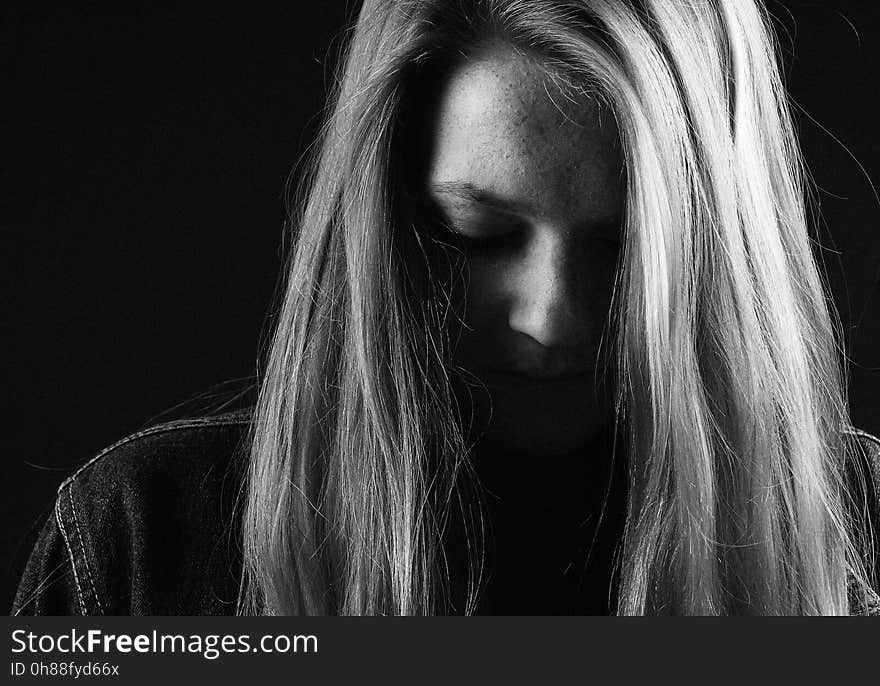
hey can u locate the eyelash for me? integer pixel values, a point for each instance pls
(473, 244)
(506, 240)
(503, 240)
(484, 244)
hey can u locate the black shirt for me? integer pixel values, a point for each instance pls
(554, 527)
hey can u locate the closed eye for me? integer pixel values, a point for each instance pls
(486, 243)
(486, 235)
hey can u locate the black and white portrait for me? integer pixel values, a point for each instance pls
(432, 307)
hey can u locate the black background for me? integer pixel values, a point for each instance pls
(145, 155)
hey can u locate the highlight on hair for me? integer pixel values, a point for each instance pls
(730, 388)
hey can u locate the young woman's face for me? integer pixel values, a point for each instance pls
(533, 185)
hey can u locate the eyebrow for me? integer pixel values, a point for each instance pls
(481, 196)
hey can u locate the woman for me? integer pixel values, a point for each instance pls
(553, 340)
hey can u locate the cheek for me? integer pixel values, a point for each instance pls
(481, 302)
(488, 291)
(601, 285)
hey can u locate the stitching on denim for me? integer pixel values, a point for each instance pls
(60, 521)
(871, 607)
(872, 451)
(82, 546)
(224, 420)
(864, 434)
(232, 419)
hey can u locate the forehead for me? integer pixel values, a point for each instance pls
(502, 124)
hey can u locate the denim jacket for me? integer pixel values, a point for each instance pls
(150, 527)
(146, 527)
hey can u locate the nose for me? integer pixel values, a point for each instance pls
(551, 300)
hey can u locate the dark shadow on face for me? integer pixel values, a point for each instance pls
(526, 186)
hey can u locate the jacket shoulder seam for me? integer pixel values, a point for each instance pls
(60, 520)
(68, 521)
(864, 434)
(82, 546)
(180, 425)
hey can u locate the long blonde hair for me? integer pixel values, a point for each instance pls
(729, 382)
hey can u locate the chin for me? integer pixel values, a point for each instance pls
(535, 421)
